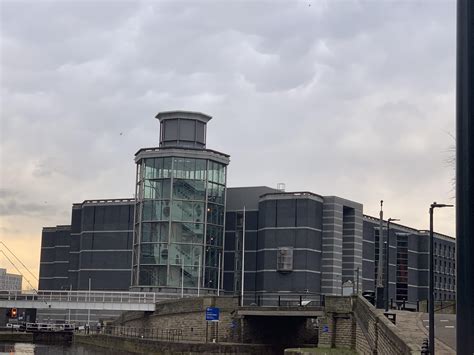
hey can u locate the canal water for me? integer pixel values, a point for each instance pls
(44, 349)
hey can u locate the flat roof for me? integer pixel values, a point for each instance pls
(190, 115)
(157, 149)
(409, 229)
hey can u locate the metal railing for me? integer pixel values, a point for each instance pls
(283, 300)
(88, 296)
(168, 334)
(49, 327)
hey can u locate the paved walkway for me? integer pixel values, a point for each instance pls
(414, 330)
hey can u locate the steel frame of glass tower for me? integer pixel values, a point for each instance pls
(179, 209)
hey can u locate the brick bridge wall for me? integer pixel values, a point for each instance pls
(354, 323)
(349, 322)
(188, 315)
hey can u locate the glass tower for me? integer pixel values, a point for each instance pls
(180, 208)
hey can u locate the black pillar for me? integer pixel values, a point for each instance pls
(465, 178)
(431, 299)
(387, 265)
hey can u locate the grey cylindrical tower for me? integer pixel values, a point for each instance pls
(183, 129)
(180, 209)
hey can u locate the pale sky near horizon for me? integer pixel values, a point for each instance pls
(347, 98)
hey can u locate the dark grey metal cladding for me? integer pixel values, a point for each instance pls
(233, 249)
(341, 243)
(291, 220)
(183, 128)
(75, 242)
(238, 197)
(105, 250)
(54, 260)
(368, 257)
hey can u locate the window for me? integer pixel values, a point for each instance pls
(285, 259)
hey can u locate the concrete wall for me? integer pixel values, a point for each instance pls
(145, 346)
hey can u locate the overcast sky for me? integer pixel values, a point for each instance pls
(347, 98)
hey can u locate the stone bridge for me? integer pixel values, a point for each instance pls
(343, 322)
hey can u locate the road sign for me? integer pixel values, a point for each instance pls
(325, 329)
(212, 314)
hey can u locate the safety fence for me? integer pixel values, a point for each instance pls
(283, 300)
(169, 334)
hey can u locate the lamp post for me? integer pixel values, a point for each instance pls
(387, 253)
(464, 178)
(242, 293)
(357, 285)
(379, 290)
(431, 289)
(89, 305)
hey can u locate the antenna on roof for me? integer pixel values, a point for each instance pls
(281, 186)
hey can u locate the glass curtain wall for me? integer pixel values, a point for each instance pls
(179, 222)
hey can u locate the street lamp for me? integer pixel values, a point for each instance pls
(387, 253)
(431, 289)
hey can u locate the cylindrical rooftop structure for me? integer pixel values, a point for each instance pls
(183, 129)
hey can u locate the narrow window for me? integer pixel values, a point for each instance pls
(285, 259)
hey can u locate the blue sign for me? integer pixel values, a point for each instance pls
(212, 314)
(325, 329)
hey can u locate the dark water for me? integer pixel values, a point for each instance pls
(43, 349)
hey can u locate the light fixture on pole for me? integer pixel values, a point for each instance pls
(387, 258)
(431, 288)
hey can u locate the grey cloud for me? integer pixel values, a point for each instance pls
(15, 203)
(338, 97)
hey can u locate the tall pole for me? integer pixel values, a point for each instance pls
(219, 275)
(357, 286)
(69, 300)
(243, 262)
(182, 279)
(199, 274)
(379, 291)
(89, 305)
(465, 178)
(387, 247)
(431, 289)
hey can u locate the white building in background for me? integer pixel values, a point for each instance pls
(9, 282)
